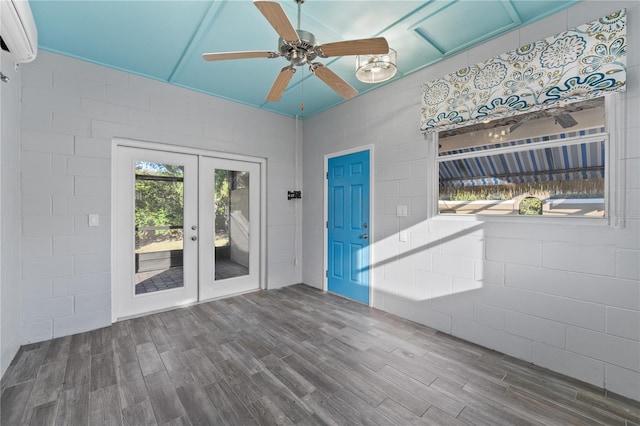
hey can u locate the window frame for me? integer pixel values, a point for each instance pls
(614, 173)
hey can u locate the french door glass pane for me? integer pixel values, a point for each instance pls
(231, 224)
(159, 226)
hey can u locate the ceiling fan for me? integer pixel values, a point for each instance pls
(299, 47)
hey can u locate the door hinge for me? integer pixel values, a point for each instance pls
(327, 224)
(327, 176)
(326, 274)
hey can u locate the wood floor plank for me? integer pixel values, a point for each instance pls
(149, 359)
(73, 406)
(266, 412)
(27, 365)
(78, 371)
(44, 415)
(104, 407)
(240, 383)
(290, 356)
(293, 407)
(200, 409)
(422, 391)
(80, 342)
(399, 414)
(164, 399)
(131, 385)
(124, 350)
(178, 373)
(201, 368)
(436, 416)
(312, 374)
(230, 408)
(14, 402)
(288, 376)
(140, 414)
(58, 350)
(103, 372)
(46, 388)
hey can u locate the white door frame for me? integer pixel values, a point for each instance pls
(116, 142)
(325, 252)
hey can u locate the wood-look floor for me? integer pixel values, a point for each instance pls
(290, 356)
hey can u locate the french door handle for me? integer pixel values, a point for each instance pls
(364, 236)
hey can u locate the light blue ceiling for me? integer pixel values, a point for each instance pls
(164, 39)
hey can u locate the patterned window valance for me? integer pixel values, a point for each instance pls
(577, 64)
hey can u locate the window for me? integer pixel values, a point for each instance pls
(549, 163)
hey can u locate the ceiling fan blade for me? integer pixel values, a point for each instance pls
(332, 80)
(279, 86)
(366, 46)
(278, 19)
(237, 55)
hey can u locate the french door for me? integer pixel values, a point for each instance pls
(186, 229)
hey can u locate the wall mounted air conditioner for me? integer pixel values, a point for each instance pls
(18, 33)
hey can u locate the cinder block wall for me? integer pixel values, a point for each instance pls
(71, 111)
(562, 295)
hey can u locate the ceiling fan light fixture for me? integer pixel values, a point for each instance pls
(376, 68)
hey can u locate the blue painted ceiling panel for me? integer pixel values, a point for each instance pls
(164, 39)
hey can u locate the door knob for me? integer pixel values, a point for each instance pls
(194, 238)
(364, 236)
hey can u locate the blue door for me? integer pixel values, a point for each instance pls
(348, 235)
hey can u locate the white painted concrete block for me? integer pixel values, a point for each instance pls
(34, 162)
(453, 265)
(506, 298)
(92, 186)
(47, 142)
(96, 282)
(591, 288)
(73, 324)
(628, 264)
(92, 302)
(569, 311)
(36, 289)
(524, 252)
(78, 85)
(605, 347)
(579, 258)
(126, 97)
(86, 166)
(489, 316)
(47, 185)
(581, 367)
(436, 285)
(105, 110)
(39, 310)
(36, 247)
(35, 205)
(92, 147)
(46, 267)
(493, 339)
(535, 328)
(623, 323)
(89, 263)
(488, 271)
(70, 124)
(36, 331)
(37, 226)
(622, 381)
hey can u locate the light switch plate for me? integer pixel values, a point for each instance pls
(94, 220)
(403, 236)
(401, 210)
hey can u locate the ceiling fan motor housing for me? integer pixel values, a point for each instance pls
(299, 53)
